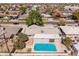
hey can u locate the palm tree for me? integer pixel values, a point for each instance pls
(34, 18)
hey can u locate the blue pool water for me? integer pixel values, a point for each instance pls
(45, 47)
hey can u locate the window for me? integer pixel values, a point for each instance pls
(51, 40)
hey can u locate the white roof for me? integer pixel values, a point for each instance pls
(66, 14)
(34, 29)
(52, 36)
(9, 31)
(70, 29)
(35, 6)
(72, 7)
(50, 19)
(77, 46)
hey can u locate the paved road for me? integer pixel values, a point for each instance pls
(23, 22)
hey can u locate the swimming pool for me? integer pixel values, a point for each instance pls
(45, 47)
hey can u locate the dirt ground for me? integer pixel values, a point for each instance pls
(3, 47)
(28, 48)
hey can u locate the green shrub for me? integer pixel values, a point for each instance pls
(19, 45)
(22, 37)
(67, 42)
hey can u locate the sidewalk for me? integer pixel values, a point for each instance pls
(7, 25)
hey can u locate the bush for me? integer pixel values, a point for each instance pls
(62, 23)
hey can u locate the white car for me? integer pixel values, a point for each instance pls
(14, 21)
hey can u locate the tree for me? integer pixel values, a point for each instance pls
(37, 8)
(22, 9)
(62, 23)
(57, 17)
(19, 45)
(67, 42)
(22, 37)
(48, 9)
(34, 18)
(74, 17)
(57, 14)
(60, 7)
(76, 14)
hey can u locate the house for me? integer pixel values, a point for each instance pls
(70, 31)
(34, 7)
(2, 14)
(76, 46)
(34, 29)
(71, 8)
(42, 33)
(9, 31)
(13, 14)
(66, 14)
(46, 15)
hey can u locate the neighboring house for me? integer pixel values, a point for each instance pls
(73, 33)
(2, 14)
(76, 46)
(66, 14)
(9, 31)
(13, 14)
(71, 8)
(70, 31)
(34, 7)
(46, 17)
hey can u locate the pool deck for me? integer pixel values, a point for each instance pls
(60, 47)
